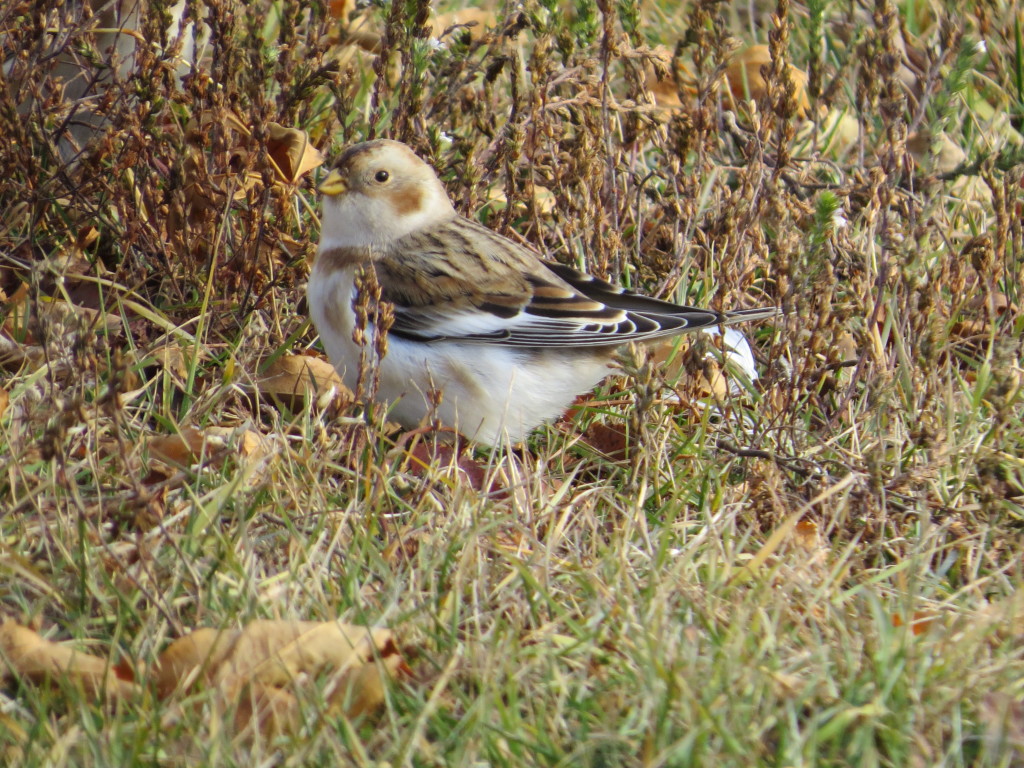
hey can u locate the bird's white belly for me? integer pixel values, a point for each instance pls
(488, 392)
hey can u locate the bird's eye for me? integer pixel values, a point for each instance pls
(382, 176)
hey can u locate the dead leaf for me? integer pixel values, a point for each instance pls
(785, 530)
(17, 293)
(292, 379)
(259, 671)
(266, 710)
(5, 400)
(660, 81)
(935, 153)
(263, 667)
(206, 192)
(805, 535)
(357, 33)
(690, 360)
(837, 135)
(87, 236)
(213, 444)
(919, 624)
(291, 153)
(356, 40)
(65, 314)
(746, 81)
(543, 199)
(846, 346)
(175, 359)
(186, 659)
(280, 652)
(25, 654)
(182, 449)
(340, 9)
(978, 316)
(608, 440)
(426, 458)
(14, 356)
(476, 21)
(288, 151)
(252, 445)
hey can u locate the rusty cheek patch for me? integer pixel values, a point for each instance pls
(406, 200)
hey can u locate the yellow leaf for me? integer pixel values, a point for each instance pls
(179, 665)
(26, 654)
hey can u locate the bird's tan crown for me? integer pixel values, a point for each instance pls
(360, 158)
(377, 192)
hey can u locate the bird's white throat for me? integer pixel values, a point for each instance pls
(358, 221)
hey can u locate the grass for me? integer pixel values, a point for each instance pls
(824, 570)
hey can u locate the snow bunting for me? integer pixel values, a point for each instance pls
(506, 338)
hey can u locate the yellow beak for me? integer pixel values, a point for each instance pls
(333, 185)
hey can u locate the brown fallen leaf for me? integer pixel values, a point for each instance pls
(16, 292)
(5, 400)
(358, 34)
(687, 360)
(262, 668)
(292, 379)
(784, 532)
(175, 359)
(340, 9)
(936, 153)
(746, 81)
(978, 316)
(837, 134)
(920, 623)
(805, 535)
(278, 653)
(424, 459)
(355, 40)
(476, 21)
(260, 671)
(27, 655)
(543, 199)
(213, 444)
(291, 153)
(191, 658)
(660, 81)
(182, 449)
(846, 346)
(611, 441)
(265, 709)
(810, 547)
(288, 149)
(14, 356)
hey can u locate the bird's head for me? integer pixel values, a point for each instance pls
(377, 192)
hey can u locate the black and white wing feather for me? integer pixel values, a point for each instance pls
(502, 293)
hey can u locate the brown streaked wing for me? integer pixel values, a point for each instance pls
(498, 292)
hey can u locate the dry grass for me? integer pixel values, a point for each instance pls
(560, 605)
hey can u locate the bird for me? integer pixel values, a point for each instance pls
(507, 338)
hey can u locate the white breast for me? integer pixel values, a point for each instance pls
(489, 393)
